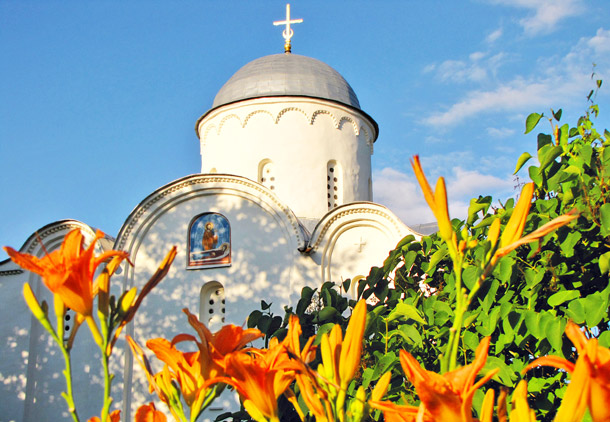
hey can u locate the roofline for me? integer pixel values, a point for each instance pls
(359, 110)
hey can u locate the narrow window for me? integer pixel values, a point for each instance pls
(266, 174)
(68, 323)
(212, 305)
(334, 187)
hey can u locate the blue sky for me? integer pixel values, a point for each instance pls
(98, 100)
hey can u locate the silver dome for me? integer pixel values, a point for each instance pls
(286, 75)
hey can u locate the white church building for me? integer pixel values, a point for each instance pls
(283, 201)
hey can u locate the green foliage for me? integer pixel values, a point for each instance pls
(523, 305)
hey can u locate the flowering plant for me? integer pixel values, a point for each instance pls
(489, 314)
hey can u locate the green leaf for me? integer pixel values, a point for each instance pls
(563, 136)
(524, 158)
(532, 322)
(411, 334)
(506, 376)
(595, 309)
(326, 313)
(470, 275)
(435, 259)
(604, 339)
(323, 330)
(305, 301)
(576, 311)
(604, 212)
(562, 296)
(405, 311)
(554, 331)
(254, 318)
(471, 340)
(604, 263)
(534, 173)
(367, 376)
(557, 114)
(549, 156)
(531, 122)
(386, 363)
(476, 205)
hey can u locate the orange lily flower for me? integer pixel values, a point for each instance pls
(340, 361)
(511, 236)
(446, 397)
(214, 347)
(341, 357)
(149, 413)
(306, 378)
(516, 223)
(590, 382)
(69, 272)
(183, 368)
(260, 377)
(437, 200)
(112, 417)
(521, 411)
(392, 412)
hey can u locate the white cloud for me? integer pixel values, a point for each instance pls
(502, 132)
(476, 56)
(600, 43)
(494, 36)
(431, 140)
(544, 14)
(554, 81)
(429, 68)
(400, 192)
(465, 184)
(477, 68)
(460, 71)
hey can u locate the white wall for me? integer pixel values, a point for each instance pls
(300, 136)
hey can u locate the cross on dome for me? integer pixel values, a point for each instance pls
(288, 32)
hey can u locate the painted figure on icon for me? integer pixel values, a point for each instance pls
(209, 241)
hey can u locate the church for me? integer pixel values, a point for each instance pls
(283, 201)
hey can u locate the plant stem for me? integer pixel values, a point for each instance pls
(107, 385)
(68, 396)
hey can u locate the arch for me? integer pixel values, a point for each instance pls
(318, 112)
(225, 119)
(179, 190)
(212, 305)
(249, 116)
(356, 211)
(287, 109)
(266, 173)
(345, 119)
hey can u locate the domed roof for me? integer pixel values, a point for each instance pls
(286, 75)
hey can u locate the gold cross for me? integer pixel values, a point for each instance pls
(288, 32)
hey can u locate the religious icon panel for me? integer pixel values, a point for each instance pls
(209, 241)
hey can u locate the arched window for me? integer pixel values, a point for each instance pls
(334, 185)
(69, 317)
(209, 241)
(212, 305)
(266, 174)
